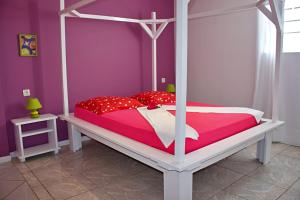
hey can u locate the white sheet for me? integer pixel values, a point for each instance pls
(239, 110)
(163, 123)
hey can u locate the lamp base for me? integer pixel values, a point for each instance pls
(35, 114)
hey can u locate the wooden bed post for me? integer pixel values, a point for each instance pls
(64, 60)
(264, 146)
(264, 149)
(154, 54)
(181, 77)
(278, 24)
(179, 185)
(74, 138)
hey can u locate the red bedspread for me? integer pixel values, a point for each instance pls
(211, 127)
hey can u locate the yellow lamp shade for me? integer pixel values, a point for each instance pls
(33, 104)
(171, 88)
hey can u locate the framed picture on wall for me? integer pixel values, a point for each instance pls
(28, 44)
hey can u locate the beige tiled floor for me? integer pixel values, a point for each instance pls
(100, 173)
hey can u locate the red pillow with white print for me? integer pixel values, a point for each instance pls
(101, 105)
(155, 97)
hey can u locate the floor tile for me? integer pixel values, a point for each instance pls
(225, 196)
(22, 167)
(240, 164)
(292, 151)
(204, 191)
(114, 170)
(6, 187)
(66, 188)
(278, 148)
(286, 163)
(93, 195)
(41, 193)
(253, 189)
(9, 172)
(31, 179)
(23, 192)
(275, 175)
(217, 176)
(82, 165)
(293, 193)
(135, 188)
(88, 150)
(100, 173)
(52, 173)
(41, 161)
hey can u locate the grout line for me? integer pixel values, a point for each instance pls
(77, 195)
(13, 190)
(286, 190)
(32, 189)
(43, 186)
(225, 188)
(30, 171)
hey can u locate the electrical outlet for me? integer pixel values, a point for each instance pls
(163, 80)
(26, 92)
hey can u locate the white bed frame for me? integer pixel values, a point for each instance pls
(178, 169)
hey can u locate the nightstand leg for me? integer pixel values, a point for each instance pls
(74, 138)
(19, 143)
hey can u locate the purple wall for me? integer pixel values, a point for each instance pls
(4, 149)
(104, 58)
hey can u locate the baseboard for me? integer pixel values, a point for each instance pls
(60, 144)
(5, 159)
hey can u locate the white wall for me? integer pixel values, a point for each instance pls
(290, 98)
(222, 55)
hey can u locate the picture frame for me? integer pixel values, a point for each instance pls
(27, 44)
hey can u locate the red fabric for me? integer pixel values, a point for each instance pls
(101, 105)
(155, 97)
(211, 127)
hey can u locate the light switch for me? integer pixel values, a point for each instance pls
(163, 80)
(26, 92)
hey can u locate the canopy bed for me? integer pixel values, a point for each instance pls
(177, 166)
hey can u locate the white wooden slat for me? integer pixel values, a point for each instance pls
(181, 77)
(75, 6)
(154, 52)
(160, 30)
(64, 59)
(147, 30)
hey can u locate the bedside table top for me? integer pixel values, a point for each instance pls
(29, 120)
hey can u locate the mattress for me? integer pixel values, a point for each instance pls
(211, 127)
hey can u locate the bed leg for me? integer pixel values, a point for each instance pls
(74, 138)
(264, 149)
(178, 185)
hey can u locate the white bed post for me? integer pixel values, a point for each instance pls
(154, 54)
(64, 59)
(181, 77)
(264, 146)
(278, 24)
(179, 185)
(73, 134)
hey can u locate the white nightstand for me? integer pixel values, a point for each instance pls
(52, 144)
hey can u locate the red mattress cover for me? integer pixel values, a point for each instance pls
(211, 127)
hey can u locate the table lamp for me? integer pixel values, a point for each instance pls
(171, 88)
(34, 105)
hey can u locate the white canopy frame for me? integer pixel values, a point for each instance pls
(177, 169)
